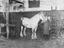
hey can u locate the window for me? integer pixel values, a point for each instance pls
(34, 3)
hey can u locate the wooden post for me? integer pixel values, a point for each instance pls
(0, 29)
(7, 26)
(7, 19)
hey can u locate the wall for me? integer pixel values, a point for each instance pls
(46, 5)
(15, 19)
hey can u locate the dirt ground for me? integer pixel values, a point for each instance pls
(30, 44)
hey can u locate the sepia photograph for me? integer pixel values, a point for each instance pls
(31, 23)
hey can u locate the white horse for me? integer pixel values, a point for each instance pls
(32, 23)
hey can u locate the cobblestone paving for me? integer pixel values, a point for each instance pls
(30, 44)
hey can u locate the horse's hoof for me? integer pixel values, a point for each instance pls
(34, 37)
(21, 35)
(24, 34)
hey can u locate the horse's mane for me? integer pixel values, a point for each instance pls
(22, 18)
(35, 15)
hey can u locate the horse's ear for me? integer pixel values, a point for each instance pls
(21, 18)
(49, 18)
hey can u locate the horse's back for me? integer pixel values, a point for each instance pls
(25, 21)
(26, 18)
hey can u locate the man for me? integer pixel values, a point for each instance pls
(1, 36)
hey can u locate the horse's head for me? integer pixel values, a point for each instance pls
(42, 16)
(45, 18)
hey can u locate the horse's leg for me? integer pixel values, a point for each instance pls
(24, 31)
(34, 34)
(21, 31)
